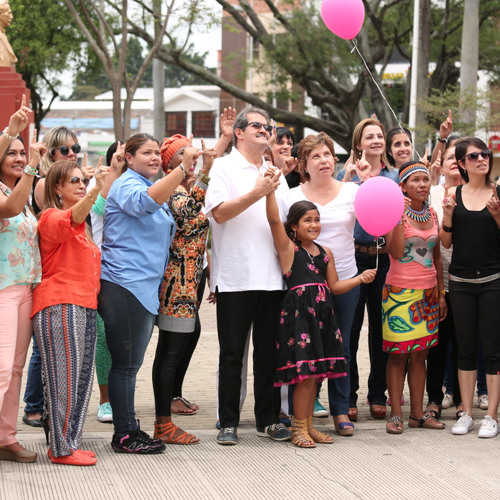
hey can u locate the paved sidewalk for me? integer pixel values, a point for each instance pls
(371, 464)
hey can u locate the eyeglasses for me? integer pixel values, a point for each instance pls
(77, 180)
(257, 126)
(486, 154)
(64, 150)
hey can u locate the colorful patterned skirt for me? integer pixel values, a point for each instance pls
(410, 319)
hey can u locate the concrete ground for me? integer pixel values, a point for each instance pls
(371, 464)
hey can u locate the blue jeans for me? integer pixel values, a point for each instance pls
(371, 294)
(128, 331)
(33, 394)
(339, 388)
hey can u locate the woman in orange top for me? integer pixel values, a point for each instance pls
(64, 307)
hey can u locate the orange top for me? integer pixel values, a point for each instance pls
(71, 264)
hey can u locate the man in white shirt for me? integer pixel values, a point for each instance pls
(245, 274)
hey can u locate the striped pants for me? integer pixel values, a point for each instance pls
(66, 336)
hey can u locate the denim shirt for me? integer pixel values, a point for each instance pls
(137, 237)
(360, 235)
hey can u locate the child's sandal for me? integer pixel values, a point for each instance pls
(300, 436)
(317, 436)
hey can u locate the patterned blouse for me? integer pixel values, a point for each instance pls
(178, 291)
(20, 262)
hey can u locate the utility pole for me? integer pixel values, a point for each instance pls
(158, 82)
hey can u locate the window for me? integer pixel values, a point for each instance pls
(175, 123)
(203, 124)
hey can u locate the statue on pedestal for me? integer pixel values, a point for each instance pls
(7, 56)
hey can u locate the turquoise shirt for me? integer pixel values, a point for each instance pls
(137, 236)
(20, 262)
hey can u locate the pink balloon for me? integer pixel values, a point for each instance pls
(379, 205)
(344, 18)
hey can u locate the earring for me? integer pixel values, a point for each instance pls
(59, 199)
(305, 171)
(294, 235)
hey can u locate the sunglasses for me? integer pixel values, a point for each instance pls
(77, 180)
(64, 150)
(486, 154)
(257, 126)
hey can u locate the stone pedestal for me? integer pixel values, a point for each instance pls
(12, 88)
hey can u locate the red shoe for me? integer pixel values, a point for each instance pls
(76, 458)
(89, 453)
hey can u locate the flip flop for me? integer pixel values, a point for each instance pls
(187, 411)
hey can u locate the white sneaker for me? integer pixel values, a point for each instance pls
(482, 401)
(105, 413)
(447, 401)
(489, 428)
(464, 424)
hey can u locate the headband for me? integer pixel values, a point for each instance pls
(405, 172)
(169, 147)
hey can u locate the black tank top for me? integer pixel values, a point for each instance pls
(476, 241)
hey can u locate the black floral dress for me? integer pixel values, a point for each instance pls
(309, 343)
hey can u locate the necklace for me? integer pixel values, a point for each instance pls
(311, 257)
(423, 216)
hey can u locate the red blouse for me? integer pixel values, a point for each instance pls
(71, 264)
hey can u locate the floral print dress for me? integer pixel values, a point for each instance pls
(308, 343)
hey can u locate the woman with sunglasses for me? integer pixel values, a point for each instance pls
(20, 271)
(471, 223)
(64, 307)
(62, 144)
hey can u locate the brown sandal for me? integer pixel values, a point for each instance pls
(166, 433)
(300, 435)
(397, 422)
(426, 422)
(317, 436)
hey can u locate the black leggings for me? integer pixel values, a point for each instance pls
(169, 351)
(474, 311)
(183, 365)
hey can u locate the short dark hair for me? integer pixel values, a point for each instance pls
(461, 147)
(284, 132)
(297, 210)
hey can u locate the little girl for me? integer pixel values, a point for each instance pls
(309, 343)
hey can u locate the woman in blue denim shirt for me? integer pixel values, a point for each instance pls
(138, 230)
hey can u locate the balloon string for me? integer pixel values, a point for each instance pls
(376, 261)
(355, 48)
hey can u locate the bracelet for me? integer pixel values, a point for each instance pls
(443, 141)
(6, 134)
(29, 170)
(447, 229)
(183, 169)
(203, 178)
(91, 199)
(442, 292)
